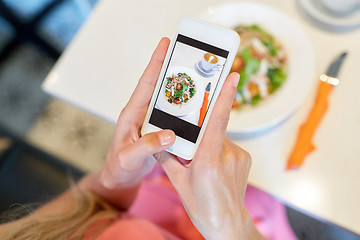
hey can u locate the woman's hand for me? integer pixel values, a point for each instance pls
(130, 156)
(213, 185)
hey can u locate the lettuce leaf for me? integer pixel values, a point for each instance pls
(251, 67)
(277, 76)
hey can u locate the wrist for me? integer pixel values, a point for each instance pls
(245, 229)
(120, 197)
(250, 231)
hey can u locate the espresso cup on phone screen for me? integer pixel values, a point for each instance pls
(209, 62)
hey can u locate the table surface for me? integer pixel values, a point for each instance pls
(100, 68)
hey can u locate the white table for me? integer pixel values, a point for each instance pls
(100, 69)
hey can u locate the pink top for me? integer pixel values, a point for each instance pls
(129, 227)
(158, 214)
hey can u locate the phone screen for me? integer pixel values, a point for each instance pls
(187, 89)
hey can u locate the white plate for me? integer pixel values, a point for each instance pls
(337, 24)
(193, 104)
(301, 64)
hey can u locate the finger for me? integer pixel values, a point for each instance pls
(173, 168)
(216, 128)
(145, 87)
(133, 156)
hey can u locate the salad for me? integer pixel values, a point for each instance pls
(262, 63)
(179, 88)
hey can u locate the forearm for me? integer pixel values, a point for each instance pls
(121, 198)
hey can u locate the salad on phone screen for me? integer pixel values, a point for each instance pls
(179, 89)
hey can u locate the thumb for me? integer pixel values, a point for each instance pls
(173, 167)
(133, 156)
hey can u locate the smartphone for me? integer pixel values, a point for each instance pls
(196, 65)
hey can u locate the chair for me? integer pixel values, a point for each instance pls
(30, 176)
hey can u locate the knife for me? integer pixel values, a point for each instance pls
(304, 145)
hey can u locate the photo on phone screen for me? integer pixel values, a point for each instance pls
(187, 89)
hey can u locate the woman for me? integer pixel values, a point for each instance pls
(211, 187)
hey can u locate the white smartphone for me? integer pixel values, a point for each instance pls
(196, 65)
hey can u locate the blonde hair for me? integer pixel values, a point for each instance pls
(82, 221)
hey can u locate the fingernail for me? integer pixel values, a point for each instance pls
(236, 80)
(166, 137)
